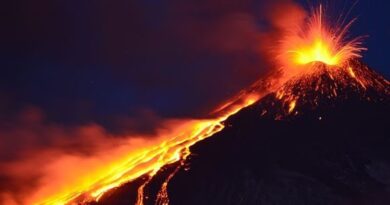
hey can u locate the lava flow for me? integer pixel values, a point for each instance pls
(170, 148)
(299, 52)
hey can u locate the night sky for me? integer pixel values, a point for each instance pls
(140, 61)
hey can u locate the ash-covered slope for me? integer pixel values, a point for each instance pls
(322, 138)
(322, 86)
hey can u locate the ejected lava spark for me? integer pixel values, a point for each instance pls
(316, 40)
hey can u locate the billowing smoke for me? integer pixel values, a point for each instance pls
(176, 60)
(38, 156)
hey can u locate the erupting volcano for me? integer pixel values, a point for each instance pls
(315, 134)
(315, 41)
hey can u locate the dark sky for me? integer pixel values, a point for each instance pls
(82, 61)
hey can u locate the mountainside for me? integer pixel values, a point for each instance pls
(322, 138)
(322, 86)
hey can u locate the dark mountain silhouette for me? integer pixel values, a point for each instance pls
(322, 138)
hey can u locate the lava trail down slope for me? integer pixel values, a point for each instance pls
(321, 138)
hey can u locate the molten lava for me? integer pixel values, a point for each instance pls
(122, 167)
(316, 41)
(313, 49)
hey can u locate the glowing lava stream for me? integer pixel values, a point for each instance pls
(173, 147)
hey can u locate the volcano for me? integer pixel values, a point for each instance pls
(321, 138)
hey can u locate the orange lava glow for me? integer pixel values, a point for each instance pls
(316, 41)
(133, 159)
(313, 51)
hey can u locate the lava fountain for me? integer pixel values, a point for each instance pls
(315, 49)
(315, 40)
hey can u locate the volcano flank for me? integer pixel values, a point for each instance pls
(321, 138)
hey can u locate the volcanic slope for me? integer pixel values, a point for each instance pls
(322, 138)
